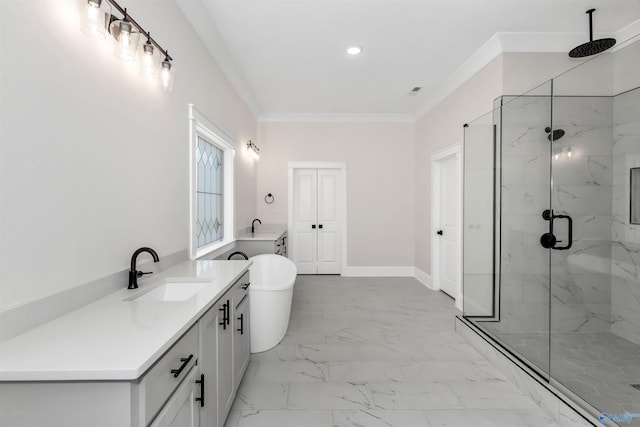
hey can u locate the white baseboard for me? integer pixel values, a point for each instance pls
(378, 271)
(423, 278)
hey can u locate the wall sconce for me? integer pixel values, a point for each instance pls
(253, 150)
(98, 21)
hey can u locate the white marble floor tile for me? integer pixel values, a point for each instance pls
(372, 352)
(286, 418)
(489, 418)
(280, 353)
(378, 418)
(491, 395)
(416, 395)
(294, 371)
(444, 371)
(329, 396)
(391, 352)
(252, 395)
(452, 352)
(328, 352)
(363, 372)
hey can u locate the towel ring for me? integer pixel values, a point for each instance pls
(268, 199)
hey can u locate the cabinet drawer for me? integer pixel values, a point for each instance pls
(241, 288)
(159, 383)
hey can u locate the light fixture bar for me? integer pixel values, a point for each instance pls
(133, 22)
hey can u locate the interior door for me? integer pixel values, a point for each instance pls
(305, 216)
(449, 216)
(328, 224)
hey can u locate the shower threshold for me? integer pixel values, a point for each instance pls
(555, 397)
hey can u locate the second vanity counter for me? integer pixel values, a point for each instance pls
(117, 337)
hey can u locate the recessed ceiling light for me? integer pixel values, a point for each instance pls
(354, 50)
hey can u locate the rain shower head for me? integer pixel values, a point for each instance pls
(555, 135)
(592, 47)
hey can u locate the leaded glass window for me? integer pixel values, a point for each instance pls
(209, 193)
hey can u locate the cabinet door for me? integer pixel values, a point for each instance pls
(241, 340)
(209, 324)
(181, 410)
(224, 360)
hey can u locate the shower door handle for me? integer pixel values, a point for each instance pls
(570, 232)
(548, 240)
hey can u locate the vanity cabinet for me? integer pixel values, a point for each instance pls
(241, 331)
(183, 409)
(274, 244)
(192, 384)
(221, 348)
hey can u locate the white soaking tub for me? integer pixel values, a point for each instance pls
(271, 292)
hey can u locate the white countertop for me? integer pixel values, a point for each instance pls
(263, 232)
(113, 338)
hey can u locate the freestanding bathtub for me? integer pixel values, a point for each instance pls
(271, 292)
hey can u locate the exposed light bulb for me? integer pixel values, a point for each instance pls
(93, 22)
(125, 35)
(354, 50)
(92, 11)
(569, 154)
(165, 74)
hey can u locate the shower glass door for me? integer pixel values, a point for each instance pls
(521, 192)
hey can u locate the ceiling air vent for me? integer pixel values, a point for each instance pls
(416, 90)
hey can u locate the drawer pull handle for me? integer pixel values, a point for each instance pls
(223, 322)
(185, 361)
(228, 315)
(246, 286)
(201, 398)
(241, 328)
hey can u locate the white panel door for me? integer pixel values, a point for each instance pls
(305, 216)
(316, 239)
(328, 222)
(449, 214)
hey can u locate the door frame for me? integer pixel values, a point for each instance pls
(342, 202)
(454, 151)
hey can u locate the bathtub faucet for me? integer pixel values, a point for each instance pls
(253, 225)
(238, 253)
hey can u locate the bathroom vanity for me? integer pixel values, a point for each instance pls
(267, 239)
(171, 353)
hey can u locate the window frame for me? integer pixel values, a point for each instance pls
(199, 125)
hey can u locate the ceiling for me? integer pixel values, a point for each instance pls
(288, 60)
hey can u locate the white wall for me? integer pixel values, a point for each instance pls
(380, 181)
(439, 128)
(93, 160)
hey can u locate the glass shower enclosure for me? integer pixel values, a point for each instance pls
(551, 258)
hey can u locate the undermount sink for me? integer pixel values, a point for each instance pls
(172, 291)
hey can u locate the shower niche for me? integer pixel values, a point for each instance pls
(558, 283)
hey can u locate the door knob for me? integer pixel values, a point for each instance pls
(320, 226)
(313, 226)
(439, 232)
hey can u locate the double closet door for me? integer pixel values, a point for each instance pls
(316, 221)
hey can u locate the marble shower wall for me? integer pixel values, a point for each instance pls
(625, 250)
(580, 277)
(582, 188)
(524, 183)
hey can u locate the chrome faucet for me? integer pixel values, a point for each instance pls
(133, 273)
(253, 230)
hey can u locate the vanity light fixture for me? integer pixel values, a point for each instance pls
(253, 150)
(354, 50)
(98, 20)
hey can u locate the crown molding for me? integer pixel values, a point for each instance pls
(198, 16)
(337, 118)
